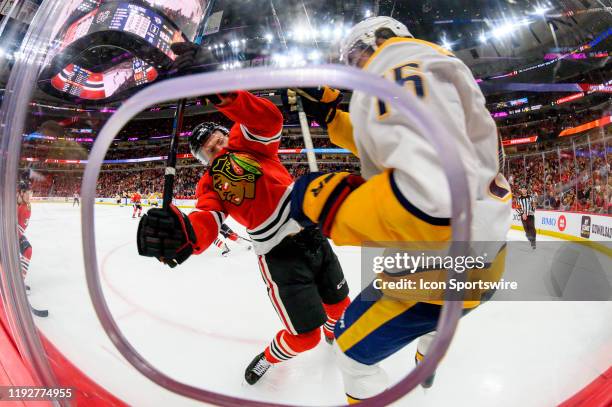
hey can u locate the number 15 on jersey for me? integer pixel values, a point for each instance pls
(407, 75)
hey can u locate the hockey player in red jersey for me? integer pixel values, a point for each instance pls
(136, 202)
(24, 211)
(223, 246)
(227, 233)
(246, 180)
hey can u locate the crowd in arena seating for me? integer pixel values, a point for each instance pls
(298, 142)
(569, 179)
(76, 151)
(56, 184)
(546, 126)
(565, 173)
(146, 180)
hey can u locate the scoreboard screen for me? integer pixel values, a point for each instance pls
(85, 84)
(186, 14)
(144, 29)
(143, 22)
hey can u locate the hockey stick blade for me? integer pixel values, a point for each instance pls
(42, 313)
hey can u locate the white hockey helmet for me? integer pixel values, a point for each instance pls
(362, 34)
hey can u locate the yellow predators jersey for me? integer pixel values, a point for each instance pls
(412, 201)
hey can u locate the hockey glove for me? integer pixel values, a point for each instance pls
(190, 57)
(317, 197)
(166, 235)
(319, 104)
(220, 98)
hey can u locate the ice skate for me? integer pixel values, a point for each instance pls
(257, 368)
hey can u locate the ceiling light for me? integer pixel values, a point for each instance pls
(337, 32)
(540, 11)
(297, 56)
(325, 33)
(314, 55)
(503, 30)
(301, 34)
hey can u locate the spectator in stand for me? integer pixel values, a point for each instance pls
(570, 174)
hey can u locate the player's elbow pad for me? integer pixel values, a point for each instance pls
(317, 197)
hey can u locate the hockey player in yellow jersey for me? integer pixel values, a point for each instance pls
(402, 194)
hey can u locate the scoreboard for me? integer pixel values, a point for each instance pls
(145, 32)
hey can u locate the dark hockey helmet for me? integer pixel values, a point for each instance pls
(23, 186)
(199, 135)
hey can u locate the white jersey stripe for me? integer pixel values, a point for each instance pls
(260, 139)
(284, 346)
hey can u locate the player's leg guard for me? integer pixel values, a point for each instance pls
(423, 346)
(360, 381)
(334, 312)
(24, 258)
(25, 254)
(372, 328)
(219, 243)
(286, 346)
(223, 246)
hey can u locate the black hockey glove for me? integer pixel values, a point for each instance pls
(190, 57)
(166, 235)
(319, 104)
(219, 98)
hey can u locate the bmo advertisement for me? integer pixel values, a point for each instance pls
(571, 225)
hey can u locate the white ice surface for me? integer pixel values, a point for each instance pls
(204, 321)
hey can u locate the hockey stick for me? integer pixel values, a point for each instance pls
(42, 313)
(170, 172)
(245, 239)
(305, 126)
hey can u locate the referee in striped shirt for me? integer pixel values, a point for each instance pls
(526, 210)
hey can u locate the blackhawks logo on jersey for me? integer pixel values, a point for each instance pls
(234, 176)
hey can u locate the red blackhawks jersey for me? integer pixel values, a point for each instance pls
(24, 211)
(136, 198)
(247, 180)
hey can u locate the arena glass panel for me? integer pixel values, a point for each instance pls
(64, 112)
(55, 148)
